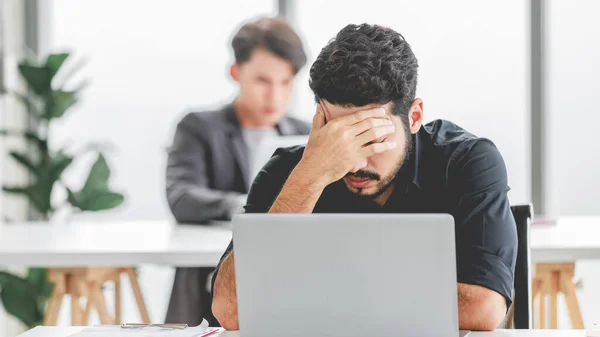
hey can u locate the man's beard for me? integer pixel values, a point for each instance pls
(385, 182)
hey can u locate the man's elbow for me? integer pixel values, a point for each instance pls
(480, 308)
(185, 212)
(490, 314)
(223, 314)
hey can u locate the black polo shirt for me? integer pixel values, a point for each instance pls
(448, 170)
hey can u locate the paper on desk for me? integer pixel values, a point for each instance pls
(117, 331)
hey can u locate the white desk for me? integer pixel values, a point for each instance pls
(570, 239)
(66, 331)
(112, 244)
(133, 243)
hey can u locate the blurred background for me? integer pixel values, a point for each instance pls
(522, 73)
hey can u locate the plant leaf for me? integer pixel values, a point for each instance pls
(58, 163)
(20, 300)
(55, 61)
(5, 277)
(32, 137)
(38, 195)
(98, 177)
(59, 102)
(38, 78)
(25, 161)
(14, 189)
(68, 73)
(47, 173)
(38, 279)
(100, 201)
(95, 194)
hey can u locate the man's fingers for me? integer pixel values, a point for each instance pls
(376, 148)
(318, 119)
(360, 116)
(368, 124)
(373, 134)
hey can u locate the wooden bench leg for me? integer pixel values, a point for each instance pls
(118, 299)
(536, 288)
(56, 298)
(99, 302)
(571, 299)
(87, 282)
(138, 295)
(551, 279)
(73, 290)
(554, 289)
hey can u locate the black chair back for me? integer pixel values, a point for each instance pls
(522, 306)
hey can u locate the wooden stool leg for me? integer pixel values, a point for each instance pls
(536, 286)
(572, 303)
(56, 298)
(55, 303)
(72, 289)
(99, 302)
(88, 311)
(554, 288)
(138, 295)
(118, 299)
(54, 308)
(545, 289)
(542, 311)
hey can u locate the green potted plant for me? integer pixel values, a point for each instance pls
(46, 101)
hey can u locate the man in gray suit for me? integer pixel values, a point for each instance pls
(209, 162)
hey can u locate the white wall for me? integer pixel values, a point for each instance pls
(573, 70)
(473, 64)
(572, 106)
(148, 62)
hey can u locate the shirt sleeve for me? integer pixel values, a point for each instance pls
(266, 187)
(486, 235)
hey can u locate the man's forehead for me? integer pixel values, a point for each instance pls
(333, 111)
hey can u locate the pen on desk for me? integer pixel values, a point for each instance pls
(210, 332)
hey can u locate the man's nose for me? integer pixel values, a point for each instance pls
(361, 165)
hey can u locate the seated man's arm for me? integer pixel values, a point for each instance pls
(224, 305)
(479, 308)
(189, 197)
(264, 191)
(486, 239)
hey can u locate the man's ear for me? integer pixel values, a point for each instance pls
(415, 115)
(234, 72)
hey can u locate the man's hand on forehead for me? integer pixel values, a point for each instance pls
(344, 143)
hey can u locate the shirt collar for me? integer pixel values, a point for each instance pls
(411, 168)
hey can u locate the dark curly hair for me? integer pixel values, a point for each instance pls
(366, 64)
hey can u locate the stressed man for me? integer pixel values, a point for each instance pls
(368, 152)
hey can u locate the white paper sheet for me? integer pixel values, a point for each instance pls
(117, 331)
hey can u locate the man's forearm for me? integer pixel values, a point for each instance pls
(224, 305)
(300, 192)
(194, 204)
(479, 308)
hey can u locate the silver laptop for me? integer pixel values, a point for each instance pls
(266, 149)
(346, 275)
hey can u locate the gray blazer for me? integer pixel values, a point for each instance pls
(207, 177)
